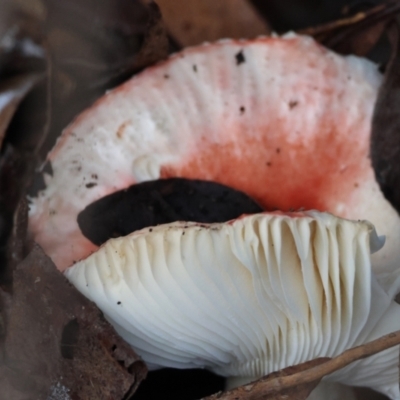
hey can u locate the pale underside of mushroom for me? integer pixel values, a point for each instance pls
(280, 118)
(247, 297)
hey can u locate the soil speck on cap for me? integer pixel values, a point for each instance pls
(240, 59)
(242, 109)
(91, 184)
(195, 68)
(293, 104)
(121, 129)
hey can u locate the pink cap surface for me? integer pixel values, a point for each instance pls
(280, 118)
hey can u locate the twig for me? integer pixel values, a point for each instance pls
(266, 386)
(381, 10)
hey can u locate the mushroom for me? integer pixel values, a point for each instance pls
(280, 118)
(247, 297)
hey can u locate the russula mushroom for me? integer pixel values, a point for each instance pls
(247, 297)
(282, 119)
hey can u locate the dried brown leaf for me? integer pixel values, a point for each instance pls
(385, 137)
(358, 33)
(17, 243)
(58, 343)
(22, 63)
(196, 21)
(160, 202)
(286, 15)
(155, 46)
(15, 168)
(20, 37)
(12, 92)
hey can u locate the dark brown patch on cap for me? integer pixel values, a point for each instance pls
(240, 58)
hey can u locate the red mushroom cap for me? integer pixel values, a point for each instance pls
(280, 118)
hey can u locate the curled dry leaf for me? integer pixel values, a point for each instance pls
(17, 248)
(21, 34)
(196, 21)
(71, 348)
(15, 167)
(22, 61)
(286, 15)
(12, 92)
(385, 138)
(155, 46)
(356, 34)
(160, 202)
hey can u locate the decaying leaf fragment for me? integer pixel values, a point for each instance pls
(12, 92)
(357, 33)
(196, 21)
(385, 137)
(57, 342)
(22, 58)
(160, 202)
(155, 46)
